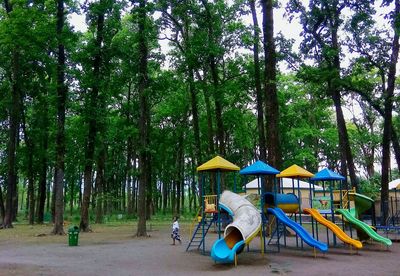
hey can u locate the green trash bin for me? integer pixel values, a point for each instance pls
(73, 235)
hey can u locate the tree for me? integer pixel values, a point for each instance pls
(257, 83)
(144, 120)
(321, 23)
(271, 95)
(180, 21)
(373, 45)
(388, 107)
(14, 110)
(99, 10)
(60, 140)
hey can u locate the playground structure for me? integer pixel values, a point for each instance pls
(245, 226)
(210, 211)
(333, 206)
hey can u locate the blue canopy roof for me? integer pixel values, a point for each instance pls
(259, 168)
(327, 174)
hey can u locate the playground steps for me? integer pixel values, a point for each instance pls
(345, 200)
(198, 237)
(277, 233)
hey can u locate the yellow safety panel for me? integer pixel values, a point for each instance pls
(289, 207)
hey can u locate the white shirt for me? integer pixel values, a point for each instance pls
(175, 225)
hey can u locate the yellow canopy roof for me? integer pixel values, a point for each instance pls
(295, 171)
(218, 163)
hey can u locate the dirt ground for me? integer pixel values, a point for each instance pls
(113, 250)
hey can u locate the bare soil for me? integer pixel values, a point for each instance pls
(113, 250)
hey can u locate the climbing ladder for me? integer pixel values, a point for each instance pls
(345, 199)
(277, 233)
(198, 236)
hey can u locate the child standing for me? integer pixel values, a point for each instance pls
(175, 231)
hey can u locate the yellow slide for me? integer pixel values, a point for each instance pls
(333, 227)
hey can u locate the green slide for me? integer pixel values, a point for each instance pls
(365, 227)
(362, 202)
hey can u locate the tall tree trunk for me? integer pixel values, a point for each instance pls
(30, 172)
(195, 194)
(130, 155)
(91, 138)
(257, 84)
(173, 197)
(48, 191)
(179, 170)
(128, 175)
(13, 133)
(164, 196)
(334, 91)
(396, 146)
(387, 124)
(195, 114)
(100, 183)
(149, 196)
(210, 128)
(215, 78)
(271, 96)
(134, 185)
(72, 196)
(2, 209)
(43, 168)
(144, 120)
(53, 197)
(60, 140)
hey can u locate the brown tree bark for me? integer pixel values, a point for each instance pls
(210, 128)
(13, 111)
(42, 182)
(332, 21)
(30, 172)
(144, 120)
(387, 123)
(217, 93)
(128, 175)
(195, 114)
(100, 184)
(60, 139)
(92, 122)
(271, 96)
(257, 84)
(179, 172)
(2, 209)
(334, 91)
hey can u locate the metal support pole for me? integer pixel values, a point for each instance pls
(203, 213)
(300, 210)
(218, 209)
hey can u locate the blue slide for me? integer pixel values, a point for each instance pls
(222, 253)
(303, 234)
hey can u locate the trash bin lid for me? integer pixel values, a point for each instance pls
(73, 228)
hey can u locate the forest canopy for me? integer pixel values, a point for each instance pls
(108, 120)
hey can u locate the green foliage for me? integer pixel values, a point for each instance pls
(196, 32)
(310, 134)
(371, 187)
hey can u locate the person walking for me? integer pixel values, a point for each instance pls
(175, 231)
